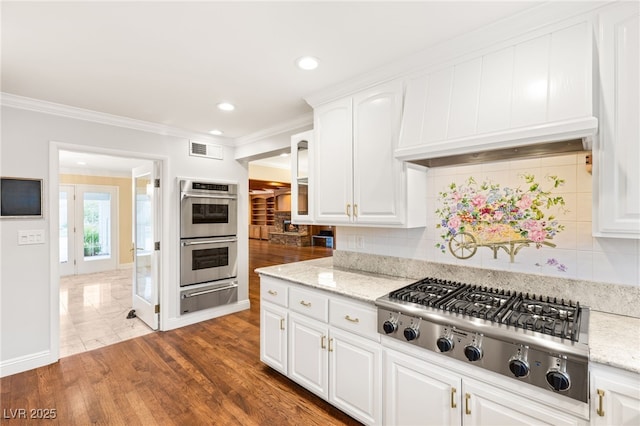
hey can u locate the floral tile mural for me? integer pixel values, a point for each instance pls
(475, 215)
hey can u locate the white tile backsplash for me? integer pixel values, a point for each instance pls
(577, 254)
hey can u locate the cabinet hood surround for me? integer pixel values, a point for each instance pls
(535, 141)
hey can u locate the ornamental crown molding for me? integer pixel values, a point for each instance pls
(293, 125)
(46, 107)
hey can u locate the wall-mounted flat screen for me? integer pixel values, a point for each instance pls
(20, 197)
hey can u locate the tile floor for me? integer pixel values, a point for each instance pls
(93, 311)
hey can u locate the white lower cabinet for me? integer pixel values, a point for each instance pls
(327, 344)
(421, 393)
(416, 393)
(273, 336)
(615, 397)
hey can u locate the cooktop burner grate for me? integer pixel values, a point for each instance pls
(543, 315)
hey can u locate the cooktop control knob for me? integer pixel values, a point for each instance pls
(558, 380)
(445, 344)
(519, 367)
(472, 352)
(411, 333)
(389, 326)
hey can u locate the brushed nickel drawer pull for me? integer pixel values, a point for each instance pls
(323, 342)
(305, 304)
(331, 345)
(355, 210)
(273, 292)
(467, 409)
(349, 210)
(600, 410)
(453, 398)
(348, 318)
(281, 323)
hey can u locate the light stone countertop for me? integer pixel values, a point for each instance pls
(614, 340)
(320, 273)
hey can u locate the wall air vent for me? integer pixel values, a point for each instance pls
(203, 149)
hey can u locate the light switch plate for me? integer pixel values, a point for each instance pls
(31, 236)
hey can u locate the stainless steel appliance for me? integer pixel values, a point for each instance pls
(208, 259)
(208, 209)
(534, 339)
(208, 244)
(195, 299)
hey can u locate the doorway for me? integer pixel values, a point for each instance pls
(97, 200)
(88, 224)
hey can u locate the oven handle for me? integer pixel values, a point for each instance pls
(223, 197)
(196, 243)
(213, 290)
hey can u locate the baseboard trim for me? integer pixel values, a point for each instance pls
(25, 363)
(207, 314)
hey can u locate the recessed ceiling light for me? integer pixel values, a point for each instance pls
(307, 63)
(226, 106)
(284, 154)
(216, 132)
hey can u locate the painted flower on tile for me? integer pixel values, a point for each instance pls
(474, 215)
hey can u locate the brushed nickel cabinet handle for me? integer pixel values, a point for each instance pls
(323, 342)
(281, 323)
(272, 292)
(348, 209)
(348, 318)
(600, 410)
(355, 210)
(453, 398)
(331, 345)
(305, 304)
(467, 408)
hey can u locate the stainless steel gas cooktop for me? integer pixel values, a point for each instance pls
(535, 339)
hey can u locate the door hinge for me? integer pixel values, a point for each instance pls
(157, 309)
(156, 245)
(156, 183)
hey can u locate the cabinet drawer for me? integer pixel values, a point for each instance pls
(356, 318)
(315, 305)
(273, 290)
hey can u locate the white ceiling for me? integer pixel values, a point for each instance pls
(172, 62)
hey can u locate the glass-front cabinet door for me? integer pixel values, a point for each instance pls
(301, 177)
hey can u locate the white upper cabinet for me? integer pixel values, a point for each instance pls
(536, 88)
(616, 175)
(301, 174)
(357, 180)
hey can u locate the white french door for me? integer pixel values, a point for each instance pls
(146, 229)
(88, 228)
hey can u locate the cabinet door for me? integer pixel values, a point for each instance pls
(355, 376)
(615, 399)
(301, 168)
(616, 152)
(483, 404)
(273, 336)
(417, 393)
(332, 157)
(308, 355)
(377, 175)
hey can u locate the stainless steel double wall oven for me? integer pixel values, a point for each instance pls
(208, 244)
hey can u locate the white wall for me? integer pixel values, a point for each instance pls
(26, 301)
(577, 253)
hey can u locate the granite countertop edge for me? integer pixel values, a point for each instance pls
(610, 335)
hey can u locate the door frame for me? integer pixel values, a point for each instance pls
(52, 191)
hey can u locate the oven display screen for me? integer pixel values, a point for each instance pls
(209, 213)
(209, 258)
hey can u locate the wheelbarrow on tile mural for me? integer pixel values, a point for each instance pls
(485, 215)
(463, 245)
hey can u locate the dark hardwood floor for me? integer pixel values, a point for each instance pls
(207, 373)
